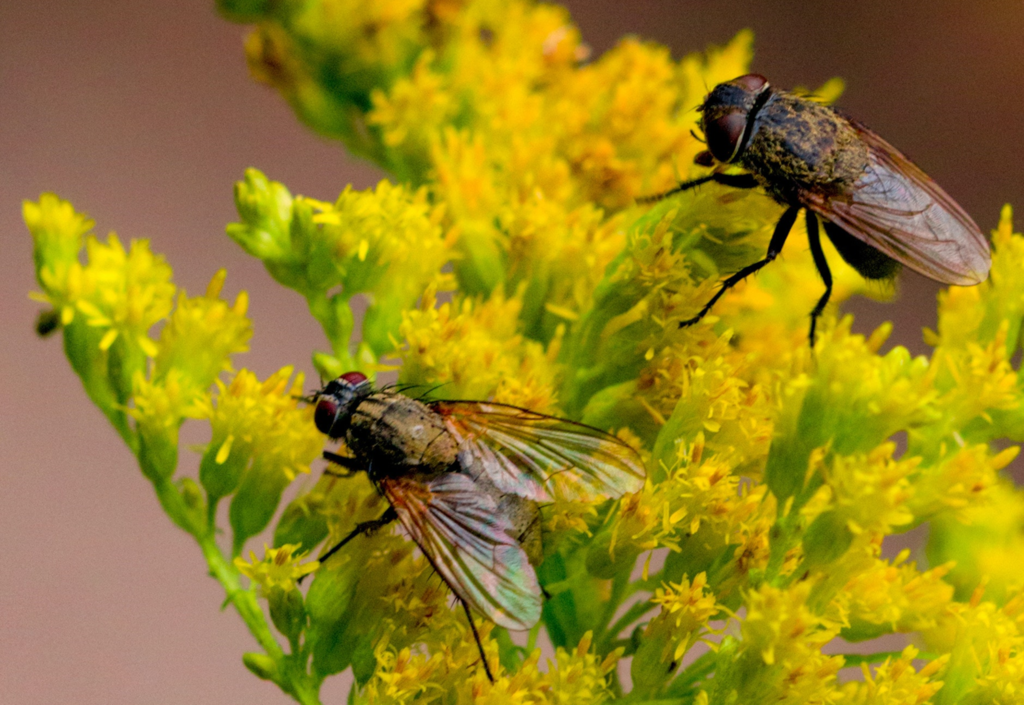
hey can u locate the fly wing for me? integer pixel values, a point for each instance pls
(537, 456)
(465, 537)
(897, 209)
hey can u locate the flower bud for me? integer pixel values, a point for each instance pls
(287, 611)
(261, 665)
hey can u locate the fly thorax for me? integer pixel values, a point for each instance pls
(441, 451)
(405, 432)
(797, 145)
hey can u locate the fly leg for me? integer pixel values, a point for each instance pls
(479, 645)
(366, 527)
(351, 465)
(822, 264)
(782, 229)
(733, 180)
(469, 616)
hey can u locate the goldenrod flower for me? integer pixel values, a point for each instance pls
(686, 608)
(882, 595)
(895, 681)
(279, 568)
(475, 352)
(202, 334)
(261, 439)
(387, 245)
(118, 292)
(252, 418)
(58, 232)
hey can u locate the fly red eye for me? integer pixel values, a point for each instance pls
(753, 82)
(325, 415)
(354, 378)
(724, 135)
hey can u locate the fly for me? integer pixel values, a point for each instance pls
(877, 207)
(464, 479)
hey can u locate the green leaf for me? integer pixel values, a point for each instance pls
(572, 612)
(255, 503)
(328, 605)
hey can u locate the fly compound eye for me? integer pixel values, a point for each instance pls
(326, 414)
(354, 379)
(725, 134)
(753, 82)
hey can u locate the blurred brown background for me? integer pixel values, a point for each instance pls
(142, 114)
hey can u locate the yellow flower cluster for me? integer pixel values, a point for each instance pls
(202, 334)
(869, 492)
(474, 351)
(263, 421)
(782, 632)
(700, 493)
(686, 609)
(576, 675)
(985, 643)
(119, 292)
(895, 681)
(279, 569)
(965, 314)
(894, 595)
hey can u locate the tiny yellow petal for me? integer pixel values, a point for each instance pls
(108, 339)
(225, 450)
(216, 284)
(562, 312)
(148, 346)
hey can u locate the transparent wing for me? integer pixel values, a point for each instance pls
(462, 533)
(897, 209)
(537, 456)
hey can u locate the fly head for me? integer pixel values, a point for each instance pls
(337, 400)
(728, 115)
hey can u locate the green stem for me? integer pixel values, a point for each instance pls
(632, 614)
(687, 681)
(335, 317)
(211, 514)
(291, 675)
(620, 583)
(243, 600)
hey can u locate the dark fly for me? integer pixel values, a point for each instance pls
(877, 207)
(464, 479)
